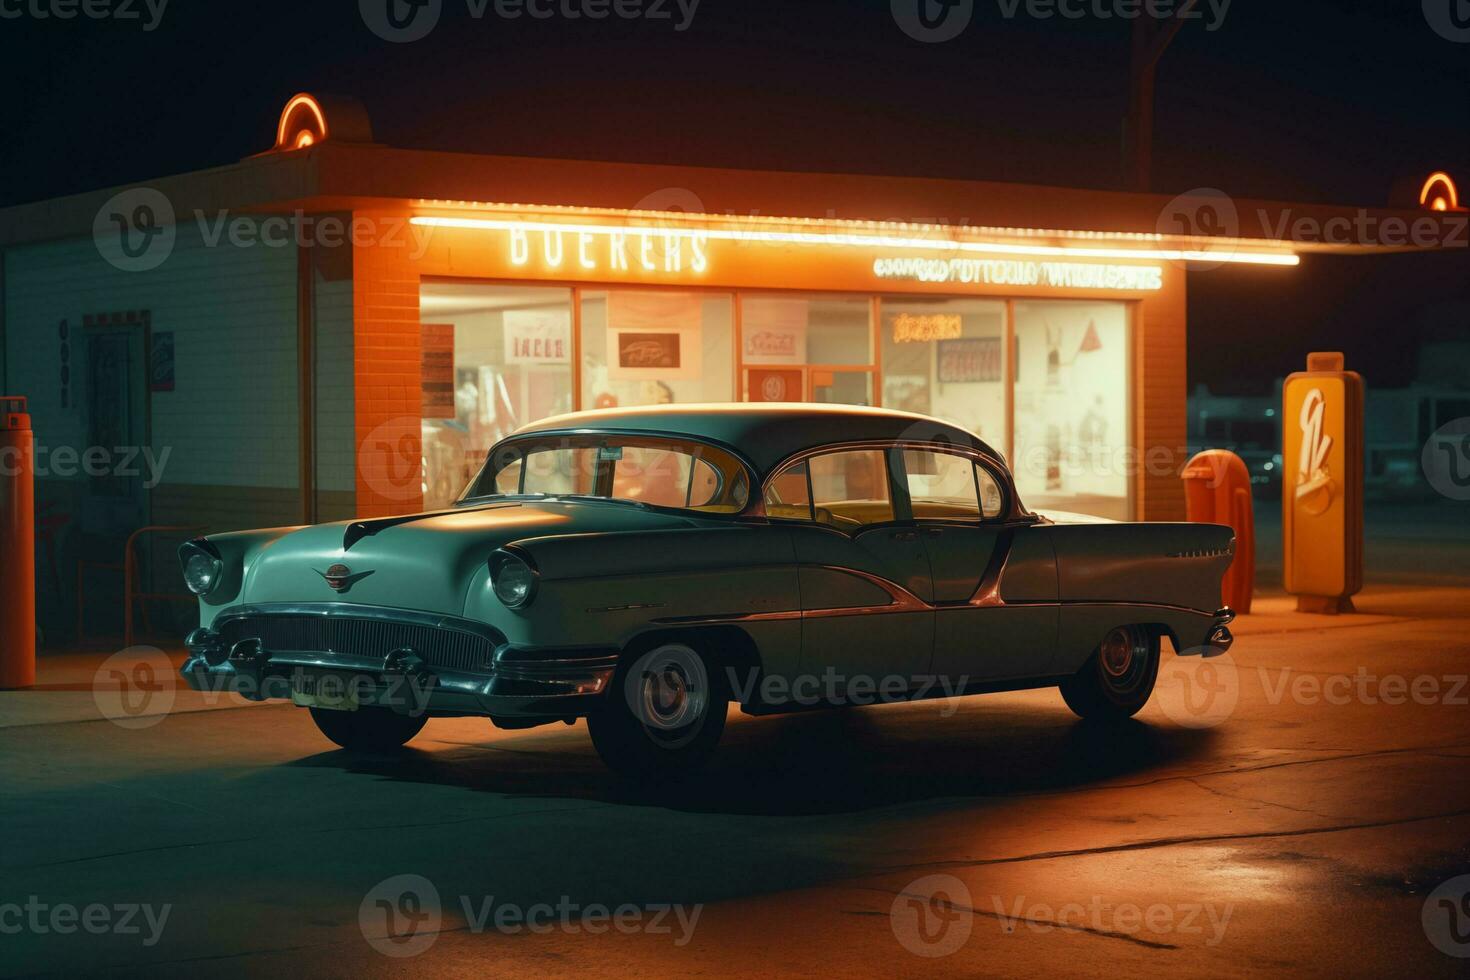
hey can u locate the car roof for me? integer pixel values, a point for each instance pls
(767, 433)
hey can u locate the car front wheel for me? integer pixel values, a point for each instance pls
(367, 729)
(664, 714)
(1118, 679)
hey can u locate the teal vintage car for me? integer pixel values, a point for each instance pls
(643, 568)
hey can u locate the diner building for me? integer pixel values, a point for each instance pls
(338, 328)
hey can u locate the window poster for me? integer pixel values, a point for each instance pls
(655, 336)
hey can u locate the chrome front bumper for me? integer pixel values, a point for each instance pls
(461, 668)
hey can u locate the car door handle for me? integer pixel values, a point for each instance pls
(933, 532)
(905, 535)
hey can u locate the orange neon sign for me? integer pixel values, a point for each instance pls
(305, 135)
(911, 328)
(1440, 193)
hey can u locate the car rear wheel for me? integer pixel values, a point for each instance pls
(1118, 679)
(664, 714)
(367, 729)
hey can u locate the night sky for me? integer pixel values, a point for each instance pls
(1307, 100)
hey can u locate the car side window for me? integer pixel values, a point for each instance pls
(948, 487)
(992, 500)
(850, 489)
(788, 495)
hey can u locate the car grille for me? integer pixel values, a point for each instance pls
(363, 637)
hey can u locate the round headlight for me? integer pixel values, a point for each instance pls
(202, 572)
(513, 579)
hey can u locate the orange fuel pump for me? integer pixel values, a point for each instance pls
(17, 547)
(1217, 490)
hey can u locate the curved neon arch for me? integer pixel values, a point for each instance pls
(312, 105)
(1447, 200)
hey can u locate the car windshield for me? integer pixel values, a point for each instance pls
(659, 472)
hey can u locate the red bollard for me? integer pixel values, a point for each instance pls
(17, 547)
(1217, 490)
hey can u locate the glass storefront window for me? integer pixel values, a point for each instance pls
(807, 348)
(1073, 378)
(495, 357)
(498, 356)
(655, 348)
(946, 358)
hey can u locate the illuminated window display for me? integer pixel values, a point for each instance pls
(1072, 439)
(656, 347)
(807, 348)
(945, 357)
(494, 358)
(498, 356)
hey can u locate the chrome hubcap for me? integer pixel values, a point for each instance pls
(672, 693)
(1118, 653)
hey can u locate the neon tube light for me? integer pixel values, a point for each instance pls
(871, 241)
(1447, 201)
(308, 102)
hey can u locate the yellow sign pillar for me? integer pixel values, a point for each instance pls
(1322, 489)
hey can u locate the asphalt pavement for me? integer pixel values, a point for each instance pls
(1300, 806)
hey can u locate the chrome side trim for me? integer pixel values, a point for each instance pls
(987, 593)
(987, 596)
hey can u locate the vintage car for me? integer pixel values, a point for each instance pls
(642, 568)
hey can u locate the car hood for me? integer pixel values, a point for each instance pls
(426, 561)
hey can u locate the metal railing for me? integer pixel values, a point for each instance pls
(129, 568)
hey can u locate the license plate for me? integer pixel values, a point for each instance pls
(334, 692)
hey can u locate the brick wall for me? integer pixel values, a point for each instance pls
(1161, 395)
(386, 377)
